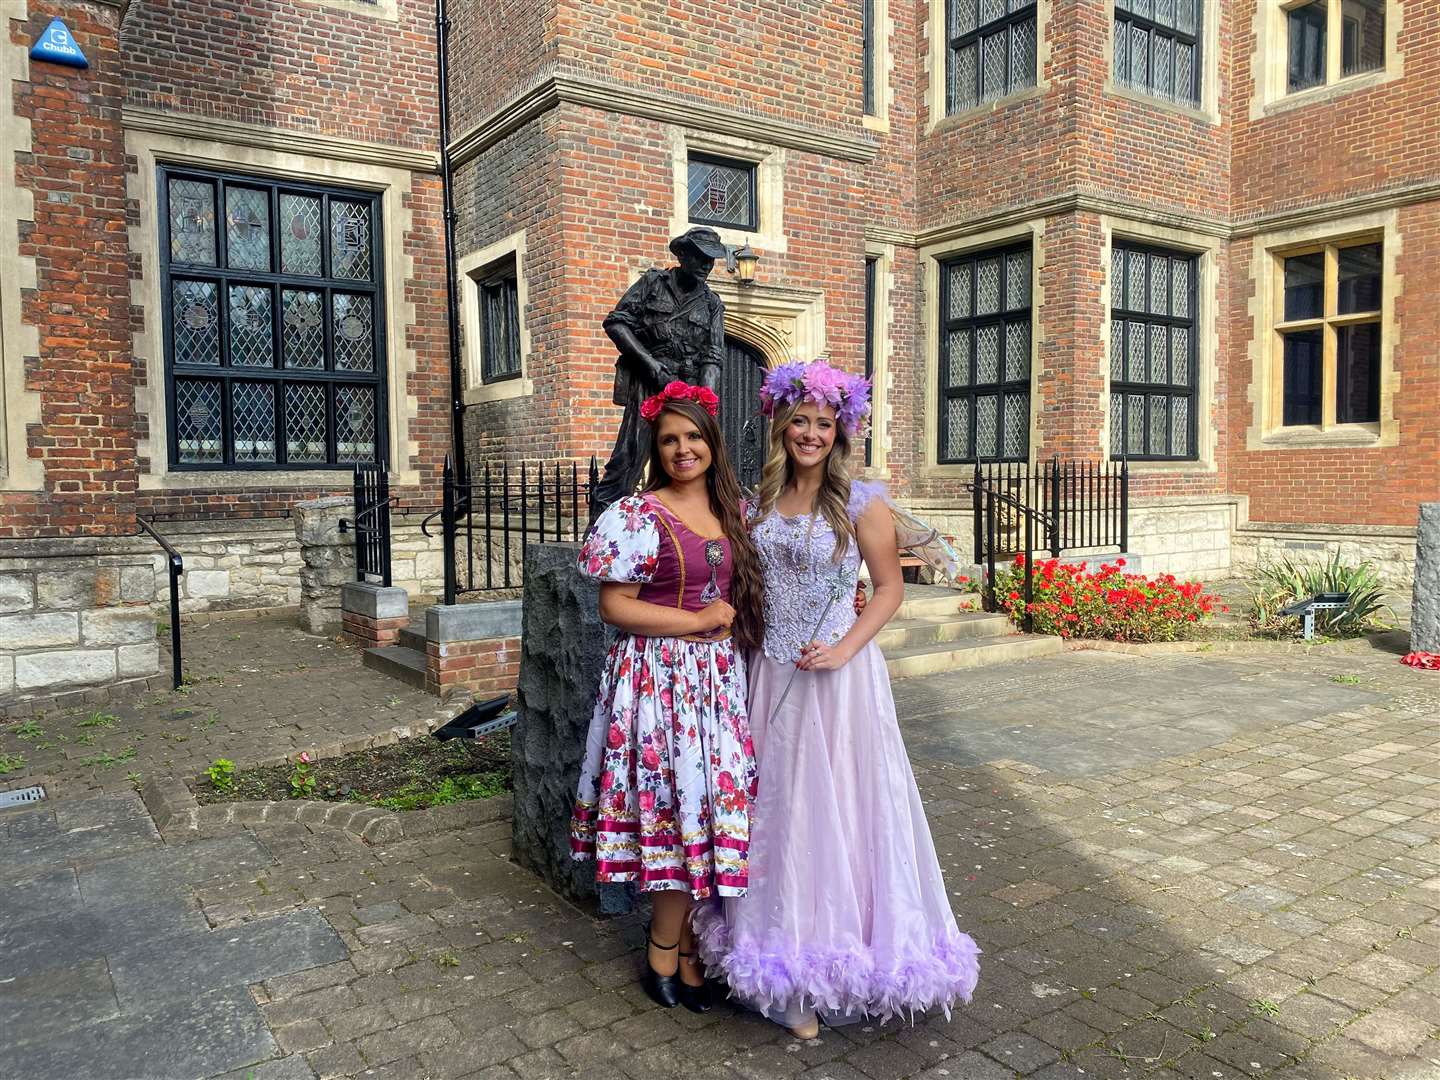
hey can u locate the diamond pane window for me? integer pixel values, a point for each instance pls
(984, 370)
(1156, 48)
(992, 51)
(722, 193)
(290, 286)
(1152, 360)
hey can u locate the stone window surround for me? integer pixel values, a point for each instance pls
(473, 269)
(1269, 63)
(389, 10)
(19, 406)
(1209, 107)
(931, 258)
(150, 149)
(883, 64)
(1206, 250)
(937, 48)
(769, 162)
(1267, 362)
(883, 255)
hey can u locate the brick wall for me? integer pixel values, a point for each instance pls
(488, 667)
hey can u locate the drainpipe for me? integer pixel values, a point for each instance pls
(452, 297)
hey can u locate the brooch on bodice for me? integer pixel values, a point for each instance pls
(714, 557)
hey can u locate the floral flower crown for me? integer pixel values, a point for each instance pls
(679, 391)
(818, 382)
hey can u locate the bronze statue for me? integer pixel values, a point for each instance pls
(668, 325)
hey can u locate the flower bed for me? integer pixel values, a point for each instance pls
(1074, 602)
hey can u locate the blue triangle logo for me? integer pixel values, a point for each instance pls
(57, 45)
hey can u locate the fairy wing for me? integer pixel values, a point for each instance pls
(922, 540)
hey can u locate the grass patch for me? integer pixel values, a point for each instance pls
(11, 763)
(412, 774)
(99, 719)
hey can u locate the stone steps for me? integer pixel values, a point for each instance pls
(938, 629)
(413, 636)
(934, 659)
(935, 629)
(399, 661)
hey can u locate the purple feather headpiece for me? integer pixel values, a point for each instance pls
(818, 382)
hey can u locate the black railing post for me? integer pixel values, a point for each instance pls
(1125, 504)
(177, 677)
(1054, 508)
(574, 499)
(1029, 623)
(505, 521)
(540, 497)
(489, 536)
(447, 524)
(976, 511)
(467, 507)
(524, 511)
(382, 535)
(990, 549)
(360, 554)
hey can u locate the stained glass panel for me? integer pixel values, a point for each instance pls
(302, 328)
(252, 341)
(300, 234)
(1017, 425)
(1017, 351)
(305, 423)
(195, 321)
(192, 221)
(721, 193)
(959, 358)
(354, 423)
(957, 428)
(247, 228)
(987, 354)
(252, 422)
(987, 425)
(350, 240)
(198, 421)
(352, 330)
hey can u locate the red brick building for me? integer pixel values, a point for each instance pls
(1198, 233)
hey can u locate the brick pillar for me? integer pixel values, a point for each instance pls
(373, 615)
(79, 307)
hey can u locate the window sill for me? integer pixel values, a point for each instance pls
(1358, 436)
(1139, 97)
(960, 119)
(505, 390)
(1316, 95)
(1169, 468)
(245, 479)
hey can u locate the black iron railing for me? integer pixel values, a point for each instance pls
(487, 518)
(371, 524)
(1055, 507)
(177, 567)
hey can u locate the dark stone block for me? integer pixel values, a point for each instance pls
(48, 1004)
(562, 653)
(46, 941)
(1425, 609)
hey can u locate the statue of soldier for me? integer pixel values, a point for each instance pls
(668, 325)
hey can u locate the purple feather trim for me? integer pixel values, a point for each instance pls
(841, 980)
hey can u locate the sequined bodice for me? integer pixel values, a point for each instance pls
(800, 579)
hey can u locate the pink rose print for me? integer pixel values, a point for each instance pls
(650, 758)
(617, 737)
(726, 782)
(647, 800)
(722, 664)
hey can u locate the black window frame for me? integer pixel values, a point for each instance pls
(277, 280)
(1003, 387)
(868, 54)
(1306, 14)
(1125, 316)
(1128, 18)
(872, 269)
(1015, 15)
(503, 281)
(752, 201)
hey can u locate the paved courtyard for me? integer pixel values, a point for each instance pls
(1207, 865)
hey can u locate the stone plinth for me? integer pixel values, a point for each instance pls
(328, 557)
(474, 647)
(562, 652)
(374, 615)
(1425, 609)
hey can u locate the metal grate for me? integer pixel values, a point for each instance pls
(21, 796)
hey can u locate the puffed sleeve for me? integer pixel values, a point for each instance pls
(623, 545)
(863, 493)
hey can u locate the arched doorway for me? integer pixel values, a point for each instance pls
(746, 431)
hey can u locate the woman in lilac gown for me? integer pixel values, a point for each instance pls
(847, 913)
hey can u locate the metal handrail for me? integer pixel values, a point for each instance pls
(177, 567)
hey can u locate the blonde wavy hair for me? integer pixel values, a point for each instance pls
(833, 498)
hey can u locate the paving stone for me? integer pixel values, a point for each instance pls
(293, 1067)
(1391, 1032)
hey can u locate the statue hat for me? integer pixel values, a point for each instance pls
(706, 241)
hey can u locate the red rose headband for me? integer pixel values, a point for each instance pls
(679, 391)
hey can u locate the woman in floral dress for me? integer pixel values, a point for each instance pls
(669, 770)
(847, 912)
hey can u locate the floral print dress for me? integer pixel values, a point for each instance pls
(669, 770)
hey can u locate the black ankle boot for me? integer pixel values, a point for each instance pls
(694, 998)
(661, 989)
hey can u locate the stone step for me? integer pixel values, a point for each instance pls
(413, 636)
(932, 601)
(946, 656)
(934, 629)
(405, 664)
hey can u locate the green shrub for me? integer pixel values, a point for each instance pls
(222, 774)
(1279, 584)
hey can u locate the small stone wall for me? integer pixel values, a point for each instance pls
(474, 647)
(1390, 548)
(76, 614)
(1189, 537)
(373, 615)
(1425, 605)
(562, 653)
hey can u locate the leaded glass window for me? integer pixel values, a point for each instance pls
(984, 374)
(1153, 353)
(1311, 29)
(722, 192)
(1157, 48)
(1329, 334)
(274, 335)
(500, 326)
(992, 50)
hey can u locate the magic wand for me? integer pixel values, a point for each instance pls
(837, 590)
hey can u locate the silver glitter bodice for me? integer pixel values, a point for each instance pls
(800, 579)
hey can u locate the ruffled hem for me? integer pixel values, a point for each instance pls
(851, 982)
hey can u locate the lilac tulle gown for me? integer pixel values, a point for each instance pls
(847, 912)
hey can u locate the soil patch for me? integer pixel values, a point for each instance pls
(408, 775)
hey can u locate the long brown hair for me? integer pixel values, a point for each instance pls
(833, 498)
(746, 580)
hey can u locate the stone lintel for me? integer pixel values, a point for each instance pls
(473, 622)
